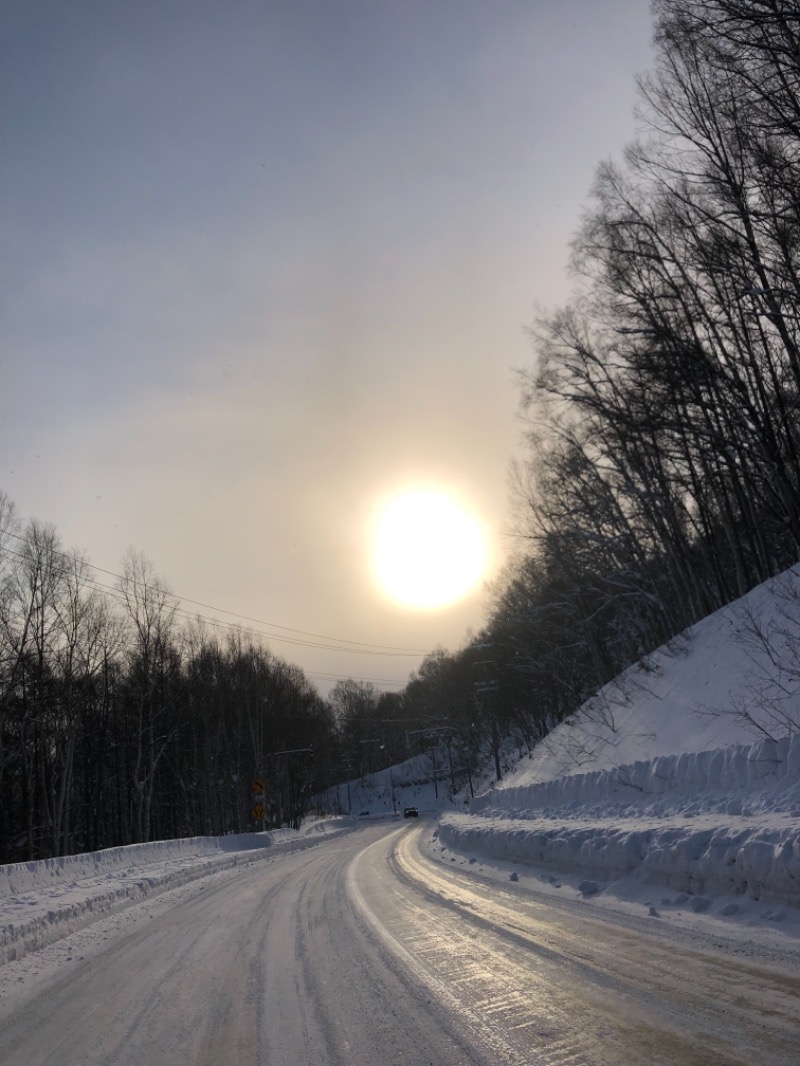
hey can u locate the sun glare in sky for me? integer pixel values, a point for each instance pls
(429, 552)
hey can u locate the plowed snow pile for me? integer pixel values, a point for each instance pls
(42, 901)
(684, 772)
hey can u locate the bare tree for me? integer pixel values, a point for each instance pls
(153, 665)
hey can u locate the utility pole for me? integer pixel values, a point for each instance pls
(450, 760)
(469, 775)
(485, 687)
(347, 769)
(479, 691)
(294, 801)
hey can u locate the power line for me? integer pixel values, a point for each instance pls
(388, 648)
(112, 593)
(349, 677)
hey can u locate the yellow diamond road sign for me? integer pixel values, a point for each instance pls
(257, 812)
(258, 786)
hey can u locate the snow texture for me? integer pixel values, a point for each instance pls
(711, 810)
(40, 902)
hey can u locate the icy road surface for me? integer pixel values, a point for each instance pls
(363, 950)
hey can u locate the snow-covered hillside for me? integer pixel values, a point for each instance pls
(683, 773)
(730, 679)
(421, 781)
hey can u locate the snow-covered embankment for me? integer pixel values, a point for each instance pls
(721, 822)
(40, 902)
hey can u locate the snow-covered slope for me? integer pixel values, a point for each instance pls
(684, 772)
(728, 680)
(413, 783)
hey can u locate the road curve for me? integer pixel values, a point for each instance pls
(363, 951)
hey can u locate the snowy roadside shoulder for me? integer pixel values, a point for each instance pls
(632, 894)
(753, 862)
(43, 901)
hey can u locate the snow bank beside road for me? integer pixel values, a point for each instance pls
(707, 858)
(657, 779)
(40, 902)
(22, 877)
(720, 822)
(734, 780)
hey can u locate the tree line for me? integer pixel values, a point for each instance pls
(124, 720)
(661, 475)
(662, 478)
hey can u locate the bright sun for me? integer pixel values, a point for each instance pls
(429, 552)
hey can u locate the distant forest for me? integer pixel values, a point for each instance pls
(660, 480)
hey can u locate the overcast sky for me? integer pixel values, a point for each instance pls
(266, 261)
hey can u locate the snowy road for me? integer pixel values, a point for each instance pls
(363, 951)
